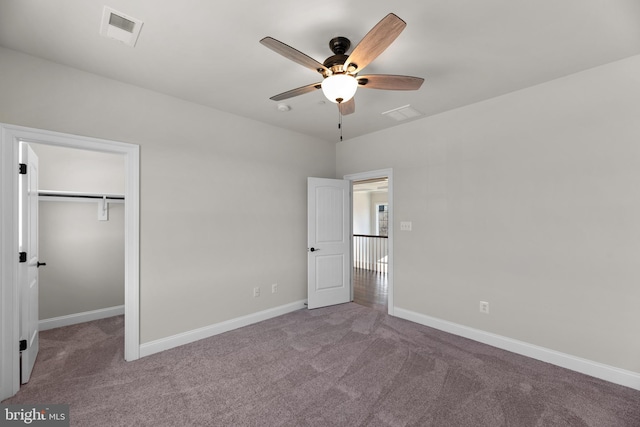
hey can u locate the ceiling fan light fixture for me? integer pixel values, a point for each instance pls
(339, 88)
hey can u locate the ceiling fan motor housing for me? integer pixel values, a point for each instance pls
(339, 46)
(335, 62)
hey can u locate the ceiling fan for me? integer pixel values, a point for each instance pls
(340, 71)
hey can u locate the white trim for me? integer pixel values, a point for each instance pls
(132, 254)
(381, 173)
(588, 367)
(86, 316)
(10, 136)
(167, 343)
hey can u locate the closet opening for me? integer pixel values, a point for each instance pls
(81, 235)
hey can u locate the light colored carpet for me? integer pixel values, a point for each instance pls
(346, 365)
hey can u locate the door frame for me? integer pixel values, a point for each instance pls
(10, 137)
(381, 173)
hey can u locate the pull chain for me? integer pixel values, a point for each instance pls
(340, 122)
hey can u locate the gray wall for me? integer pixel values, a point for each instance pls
(84, 256)
(529, 201)
(361, 206)
(223, 198)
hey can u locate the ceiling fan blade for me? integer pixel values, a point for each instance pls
(293, 54)
(348, 107)
(295, 92)
(376, 41)
(389, 82)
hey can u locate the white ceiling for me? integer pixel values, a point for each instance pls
(371, 186)
(208, 52)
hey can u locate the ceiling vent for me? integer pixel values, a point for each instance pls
(402, 113)
(121, 27)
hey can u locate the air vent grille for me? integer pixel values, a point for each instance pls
(403, 113)
(121, 22)
(118, 26)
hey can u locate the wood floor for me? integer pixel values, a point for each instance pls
(370, 289)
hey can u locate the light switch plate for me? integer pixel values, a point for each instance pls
(405, 226)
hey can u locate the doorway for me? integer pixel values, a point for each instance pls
(372, 238)
(10, 138)
(81, 235)
(370, 242)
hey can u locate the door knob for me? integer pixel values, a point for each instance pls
(38, 264)
(314, 249)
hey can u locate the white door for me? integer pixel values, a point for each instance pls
(28, 271)
(329, 242)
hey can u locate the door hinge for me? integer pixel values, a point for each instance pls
(22, 169)
(23, 345)
(23, 256)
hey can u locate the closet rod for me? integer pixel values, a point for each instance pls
(79, 195)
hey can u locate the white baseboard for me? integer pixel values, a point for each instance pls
(595, 369)
(87, 316)
(167, 343)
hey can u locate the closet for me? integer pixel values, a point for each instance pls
(81, 235)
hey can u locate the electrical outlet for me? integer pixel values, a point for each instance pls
(484, 307)
(256, 292)
(274, 288)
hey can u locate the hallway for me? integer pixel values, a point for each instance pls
(370, 289)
